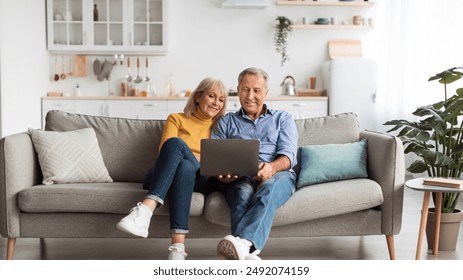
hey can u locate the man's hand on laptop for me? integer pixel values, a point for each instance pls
(265, 172)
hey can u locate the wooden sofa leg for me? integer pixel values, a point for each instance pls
(10, 248)
(390, 246)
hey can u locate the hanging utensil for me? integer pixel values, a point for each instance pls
(128, 77)
(56, 77)
(138, 79)
(63, 75)
(147, 79)
(71, 72)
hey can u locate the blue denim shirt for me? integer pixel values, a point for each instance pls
(275, 129)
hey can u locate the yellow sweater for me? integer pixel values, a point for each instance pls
(191, 130)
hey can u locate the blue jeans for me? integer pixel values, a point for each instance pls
(176, 173)
(253, 205)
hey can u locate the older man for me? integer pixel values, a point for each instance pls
(254, 201)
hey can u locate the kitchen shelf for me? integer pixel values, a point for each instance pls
(326, 3)
(331, 26)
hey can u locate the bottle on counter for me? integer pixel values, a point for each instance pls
(95, 13)
(153, 91)
(134, 89)
(171, 85)
(77, 90)
(124, 88)
(144, 89)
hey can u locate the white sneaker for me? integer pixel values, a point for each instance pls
(253, 256)
(233, 248)
(137, 222)
(177, 252)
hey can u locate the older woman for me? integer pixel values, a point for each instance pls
(176, 171)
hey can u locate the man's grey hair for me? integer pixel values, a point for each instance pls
(253, 71)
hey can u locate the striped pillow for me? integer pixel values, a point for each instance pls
(69, 157)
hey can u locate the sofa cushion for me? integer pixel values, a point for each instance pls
(332, 162)
(129, 147)
(317, 201)
(113, 198)
(69, 157)
(336, 129)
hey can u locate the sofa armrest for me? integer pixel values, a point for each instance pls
(19, 169)
(386, 166)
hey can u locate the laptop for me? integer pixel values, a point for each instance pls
(238, 157)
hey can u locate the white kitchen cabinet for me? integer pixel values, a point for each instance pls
(151, 109)
(176, 105)
(128, 26)
(298, 107)
(106, 108)
(108, 31)
(148, 25)
(159, 108)
(233, 105)
(302, 108)
(90, 107)
(67, 24)
(120, 109)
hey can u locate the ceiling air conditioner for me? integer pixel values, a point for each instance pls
(245, 4)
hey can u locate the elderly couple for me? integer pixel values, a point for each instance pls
(252, 201)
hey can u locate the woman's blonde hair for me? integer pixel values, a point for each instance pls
(203, 88)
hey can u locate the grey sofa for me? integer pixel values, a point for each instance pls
(354, 207)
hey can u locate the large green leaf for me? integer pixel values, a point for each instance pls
(448, 76)
(436, 158)
(409, 130)
(414, 147)
(453, 106)
(428, 110)
(417, 166)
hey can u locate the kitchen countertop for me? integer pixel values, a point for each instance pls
(277, 98)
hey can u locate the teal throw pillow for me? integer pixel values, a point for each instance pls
(332, 162)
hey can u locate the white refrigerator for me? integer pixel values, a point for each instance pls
(351, 87)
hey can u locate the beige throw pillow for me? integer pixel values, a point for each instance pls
(69, 157)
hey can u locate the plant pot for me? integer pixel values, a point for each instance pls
(449, 228)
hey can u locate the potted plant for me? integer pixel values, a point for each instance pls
(437, 139)
(283, 28)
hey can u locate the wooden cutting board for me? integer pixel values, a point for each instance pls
(310, 92)
(80, 62)
(344, 48)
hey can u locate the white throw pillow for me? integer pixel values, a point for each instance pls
(69, 157)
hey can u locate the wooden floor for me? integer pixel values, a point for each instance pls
(320, 248)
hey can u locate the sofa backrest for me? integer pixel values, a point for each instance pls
(337, 129)
(129, 147)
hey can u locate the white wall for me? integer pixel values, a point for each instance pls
(24, 64)
(204, 40)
